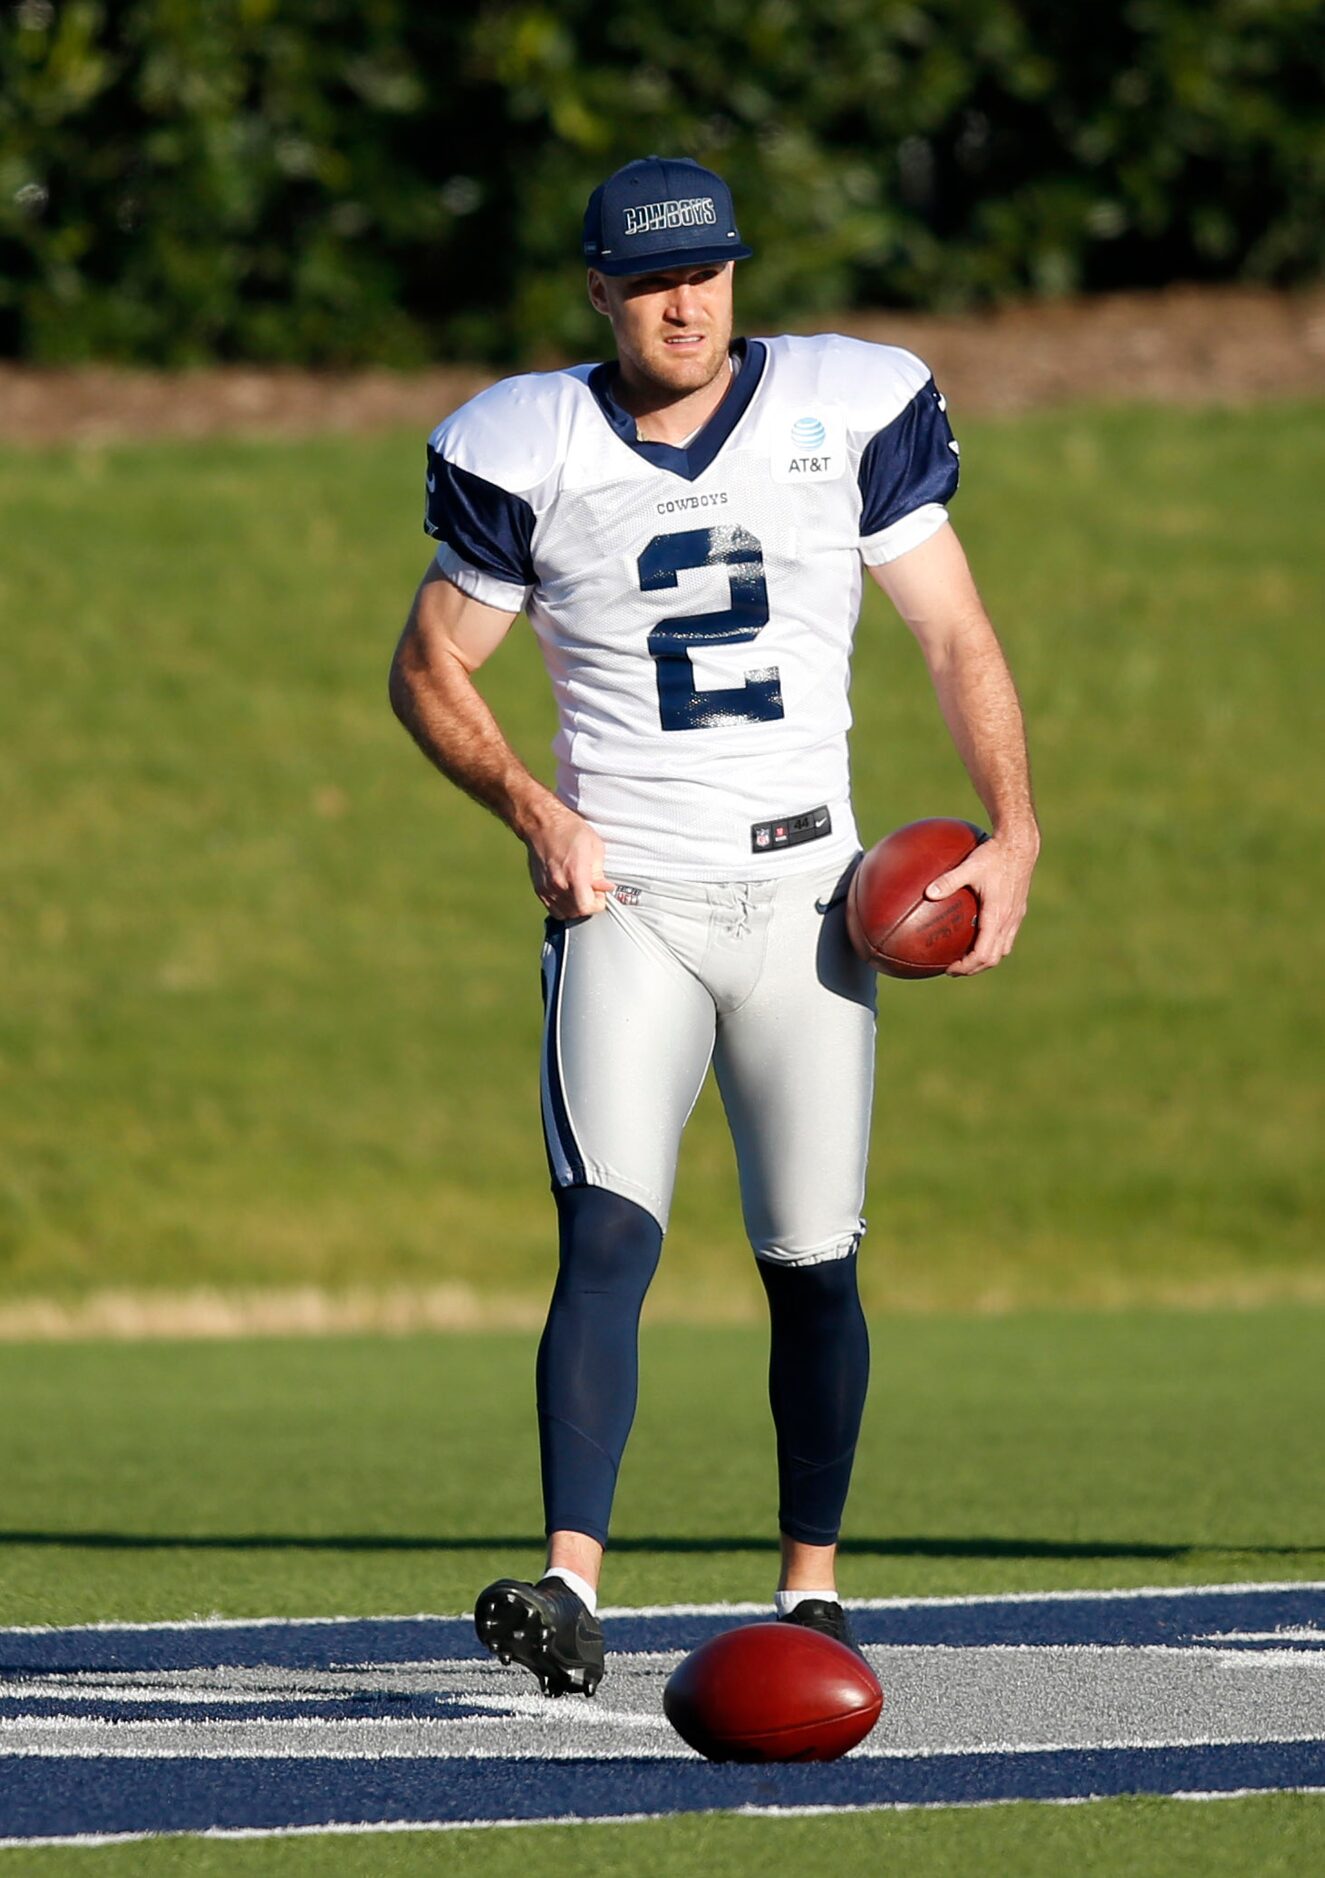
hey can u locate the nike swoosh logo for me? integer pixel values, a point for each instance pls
(432, 482)
(826, 906)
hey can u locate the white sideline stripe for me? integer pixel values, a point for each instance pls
(221, 1623)
(973, 1599)
(695, 1610)
(1213, 1651)
(342, 1830)
(971, 1806)
(121, 1731)
(984, 1597)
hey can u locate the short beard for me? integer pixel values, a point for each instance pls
(664, 390)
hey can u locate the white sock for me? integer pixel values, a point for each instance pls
(580, 1586)
(787, 1601)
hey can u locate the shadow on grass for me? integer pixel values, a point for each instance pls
(900, 1547)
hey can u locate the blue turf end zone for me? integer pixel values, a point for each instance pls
(281, 1726)
(114, 1797)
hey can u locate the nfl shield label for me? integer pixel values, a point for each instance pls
(789, 831)
(812, 449)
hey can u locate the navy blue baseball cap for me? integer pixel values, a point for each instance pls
(661, 212)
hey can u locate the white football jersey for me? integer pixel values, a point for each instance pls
(695, 606)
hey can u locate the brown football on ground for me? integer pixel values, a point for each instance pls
(891, 923)
(772, 1692)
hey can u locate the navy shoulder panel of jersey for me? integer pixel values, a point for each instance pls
(911, 461)
(490, 465)
(489, 528)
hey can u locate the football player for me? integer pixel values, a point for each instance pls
(687, 527)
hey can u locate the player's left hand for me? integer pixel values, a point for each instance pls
(998, 873)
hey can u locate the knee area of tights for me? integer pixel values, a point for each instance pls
(603, 1232)
(825, 1279)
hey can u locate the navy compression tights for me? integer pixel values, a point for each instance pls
(588, 1369)
(588, 1361)
(818, 1372)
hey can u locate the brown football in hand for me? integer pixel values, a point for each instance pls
(891, 923)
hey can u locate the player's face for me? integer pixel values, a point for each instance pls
(672, 329)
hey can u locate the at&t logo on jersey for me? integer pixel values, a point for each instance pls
(814, 450)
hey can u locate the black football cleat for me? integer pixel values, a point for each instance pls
(545, 1627)
(827, 1617)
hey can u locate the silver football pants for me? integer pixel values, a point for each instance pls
(757, 977)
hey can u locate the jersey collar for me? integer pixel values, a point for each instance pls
(694, 459)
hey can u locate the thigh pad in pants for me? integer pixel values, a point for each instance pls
(641, 997)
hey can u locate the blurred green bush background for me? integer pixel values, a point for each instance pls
(340, 181)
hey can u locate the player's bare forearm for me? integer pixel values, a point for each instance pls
(980, 706)
(933, 590)
(983, 714)
(446, 638)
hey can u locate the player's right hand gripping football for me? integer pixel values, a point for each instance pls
(998, 872)
(566, 864)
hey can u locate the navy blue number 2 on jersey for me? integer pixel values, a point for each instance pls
(680, 705)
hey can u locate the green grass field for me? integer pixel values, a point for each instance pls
(270, 1021)
(1271, 1838)
(1041, 1450)
(271, 985)
(360, 1475)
